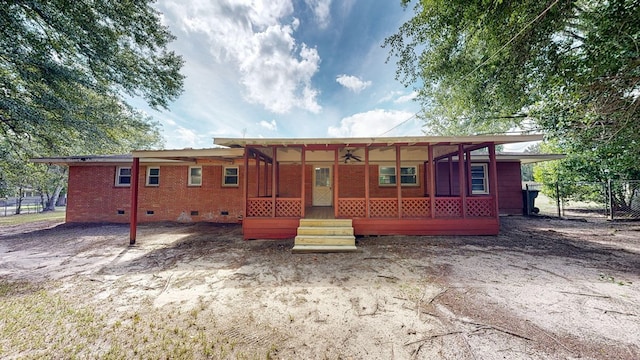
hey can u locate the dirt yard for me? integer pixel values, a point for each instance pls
(543, 289)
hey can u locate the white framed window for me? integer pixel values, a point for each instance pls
(195, 175)
(479, 179)
(123, 176)
(408, 175)
(153, 176)
(230, 176)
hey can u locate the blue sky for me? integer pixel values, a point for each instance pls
(285, 68)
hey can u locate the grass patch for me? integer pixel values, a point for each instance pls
(28, 218)
(36, 321)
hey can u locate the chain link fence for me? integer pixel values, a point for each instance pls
(613, 200)
(28, 206)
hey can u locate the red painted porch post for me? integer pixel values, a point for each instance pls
(274, 160)
(366, 181)
(266, 177)
(450, 160)
(398, 181)
(431, 183)
(303, 160)
(461, 180)
(468, 166)
(336, 162)
(245, 182)
(257, 175)
(133, 216)
(276, 169)
(493, 173)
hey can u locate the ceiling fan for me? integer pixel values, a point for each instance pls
(349, 155)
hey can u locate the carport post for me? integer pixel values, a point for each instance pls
(133, 217)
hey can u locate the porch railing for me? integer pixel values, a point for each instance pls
(417, 207)
(445, 207)
(263, 207)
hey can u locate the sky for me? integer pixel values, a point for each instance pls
(284, 69)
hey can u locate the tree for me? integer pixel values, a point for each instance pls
(573, 67)
(66, 68)
(49, 179)
(66, 65)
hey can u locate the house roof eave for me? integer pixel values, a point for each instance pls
(189, 154)
(146, 156)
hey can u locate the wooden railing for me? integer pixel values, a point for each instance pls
(445, 207)
(263, 207)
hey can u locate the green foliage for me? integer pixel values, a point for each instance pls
(455, 49)
(65, 66)
(65, 70)
(575, 178)
(573, 67)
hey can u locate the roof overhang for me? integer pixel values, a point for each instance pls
(147, 156)
(377, 141)
(526, 158)
(189, 154)
(523, 158)
(85, 159)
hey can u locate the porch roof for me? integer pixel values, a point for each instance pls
(379, 141)
(523, 158)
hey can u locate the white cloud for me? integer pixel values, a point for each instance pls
(185, 137)
(352, 83)
(273, 126)
(255, 38)
(371, 123)
(406, 98)
(321, 10)
(389, 96)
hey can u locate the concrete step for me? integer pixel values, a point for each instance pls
(325, 230)
(322, 249)
(338, 240)
(326, 223)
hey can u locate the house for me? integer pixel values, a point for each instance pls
(393, 185)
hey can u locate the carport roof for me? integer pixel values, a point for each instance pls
(148, 156)
(404, 140)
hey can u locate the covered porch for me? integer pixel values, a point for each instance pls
(386, 186)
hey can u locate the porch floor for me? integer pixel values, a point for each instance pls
(319, 212)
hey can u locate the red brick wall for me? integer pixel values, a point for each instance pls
(290, 180)
(173, 200)
(352, 180)
(93, 197)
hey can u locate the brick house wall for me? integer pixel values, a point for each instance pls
(94, 197)
(352, 179)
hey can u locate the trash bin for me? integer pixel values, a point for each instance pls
(529, 201)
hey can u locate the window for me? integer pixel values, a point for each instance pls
(195, 175)
(408, 175)
(153, 176)
(123, 176)
(230, 176)
(479, 179)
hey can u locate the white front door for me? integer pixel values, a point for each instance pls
(322, 190)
